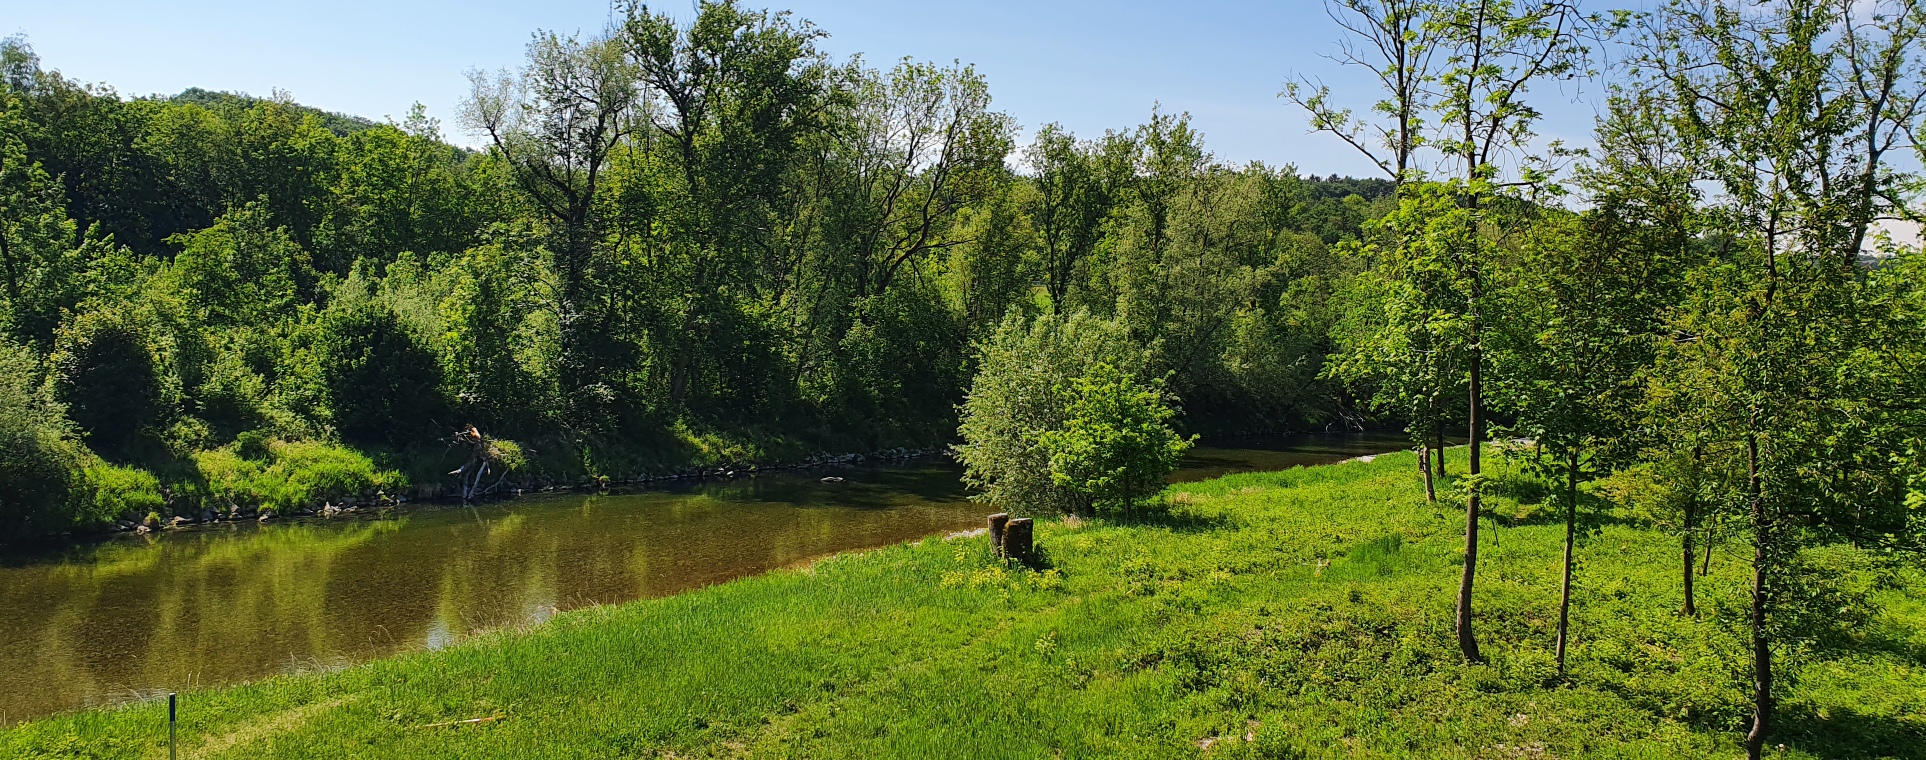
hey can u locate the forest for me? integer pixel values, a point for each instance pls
(710, 243)
(713, 241)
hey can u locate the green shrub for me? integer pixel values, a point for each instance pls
(292, 475)
(109, 377)
(1015, 398)
(228, 477)
(42, 490)
(310, 471)
(382, 383)
(123, 490)
(1115, 446)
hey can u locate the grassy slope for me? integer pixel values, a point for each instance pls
(1303, 613)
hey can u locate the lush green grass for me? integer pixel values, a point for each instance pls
(1297, 614)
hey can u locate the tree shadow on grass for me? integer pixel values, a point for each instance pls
(1594, 513)
(1173, 517)
(1845, 733)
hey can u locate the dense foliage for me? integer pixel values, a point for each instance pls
(680, 240)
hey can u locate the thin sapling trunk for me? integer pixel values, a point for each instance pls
(1571, 530)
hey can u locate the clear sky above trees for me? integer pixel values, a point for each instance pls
(1089, 65)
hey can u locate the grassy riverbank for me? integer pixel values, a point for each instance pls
(1296, 614)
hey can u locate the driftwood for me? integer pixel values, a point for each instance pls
(998, 522)
(481, 455)
(1018, 540)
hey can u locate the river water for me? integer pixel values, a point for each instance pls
(135, 616)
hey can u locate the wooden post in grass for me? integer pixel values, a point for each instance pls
(172, 714)
(997, 523)
(1017, 540)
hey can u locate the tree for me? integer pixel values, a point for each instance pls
(1015, 399)
(1582, 312)
(43, 256)
(1494, 53)
(1396, 40)
(1077, 184)
(486, 338)
(243, 270)
(1115, 446)
(113, 382)
(1798, 107)
(41, 461)
(734, 98)
(382, 383)
(556, 123)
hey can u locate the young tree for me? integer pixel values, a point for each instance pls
(1495, 52)
(1115, 446)
(1016, 398)
(1580, 316)
(1396, 40)
(1799, 107)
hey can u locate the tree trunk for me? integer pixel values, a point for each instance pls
(1424, 466)
(1691, 606)
(1437, 447)
(1571, 529)
(1018, 540)
(1467, 638)
(998, 523)
(1761, 647)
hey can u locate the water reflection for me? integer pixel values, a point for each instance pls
(128, 618)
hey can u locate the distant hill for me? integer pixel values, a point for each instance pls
(339, 123)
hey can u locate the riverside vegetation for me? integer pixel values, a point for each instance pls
(1304, 613)
(702, 237)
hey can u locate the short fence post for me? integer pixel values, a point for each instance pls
(997, 523)
(1017, 540)
(173, 714)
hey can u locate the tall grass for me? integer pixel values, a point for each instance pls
(286, 475)
(1305, 613)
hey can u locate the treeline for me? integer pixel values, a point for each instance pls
(682, 242)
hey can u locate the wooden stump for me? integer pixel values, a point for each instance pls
(1018, 540)
(997, 523)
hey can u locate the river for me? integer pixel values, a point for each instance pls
(135, 616)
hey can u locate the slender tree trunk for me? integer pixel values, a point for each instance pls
(1761, 649)
(1467, 638)
(1424, 466)
(1438, 447)
(1571, 530)
(1705, 563)
(1691, 607)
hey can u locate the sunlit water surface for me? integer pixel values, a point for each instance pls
(140, 615)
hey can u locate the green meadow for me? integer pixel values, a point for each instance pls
(1296, 614)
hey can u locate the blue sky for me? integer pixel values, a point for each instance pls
(1087, 65)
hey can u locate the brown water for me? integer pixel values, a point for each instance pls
(140, 615)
